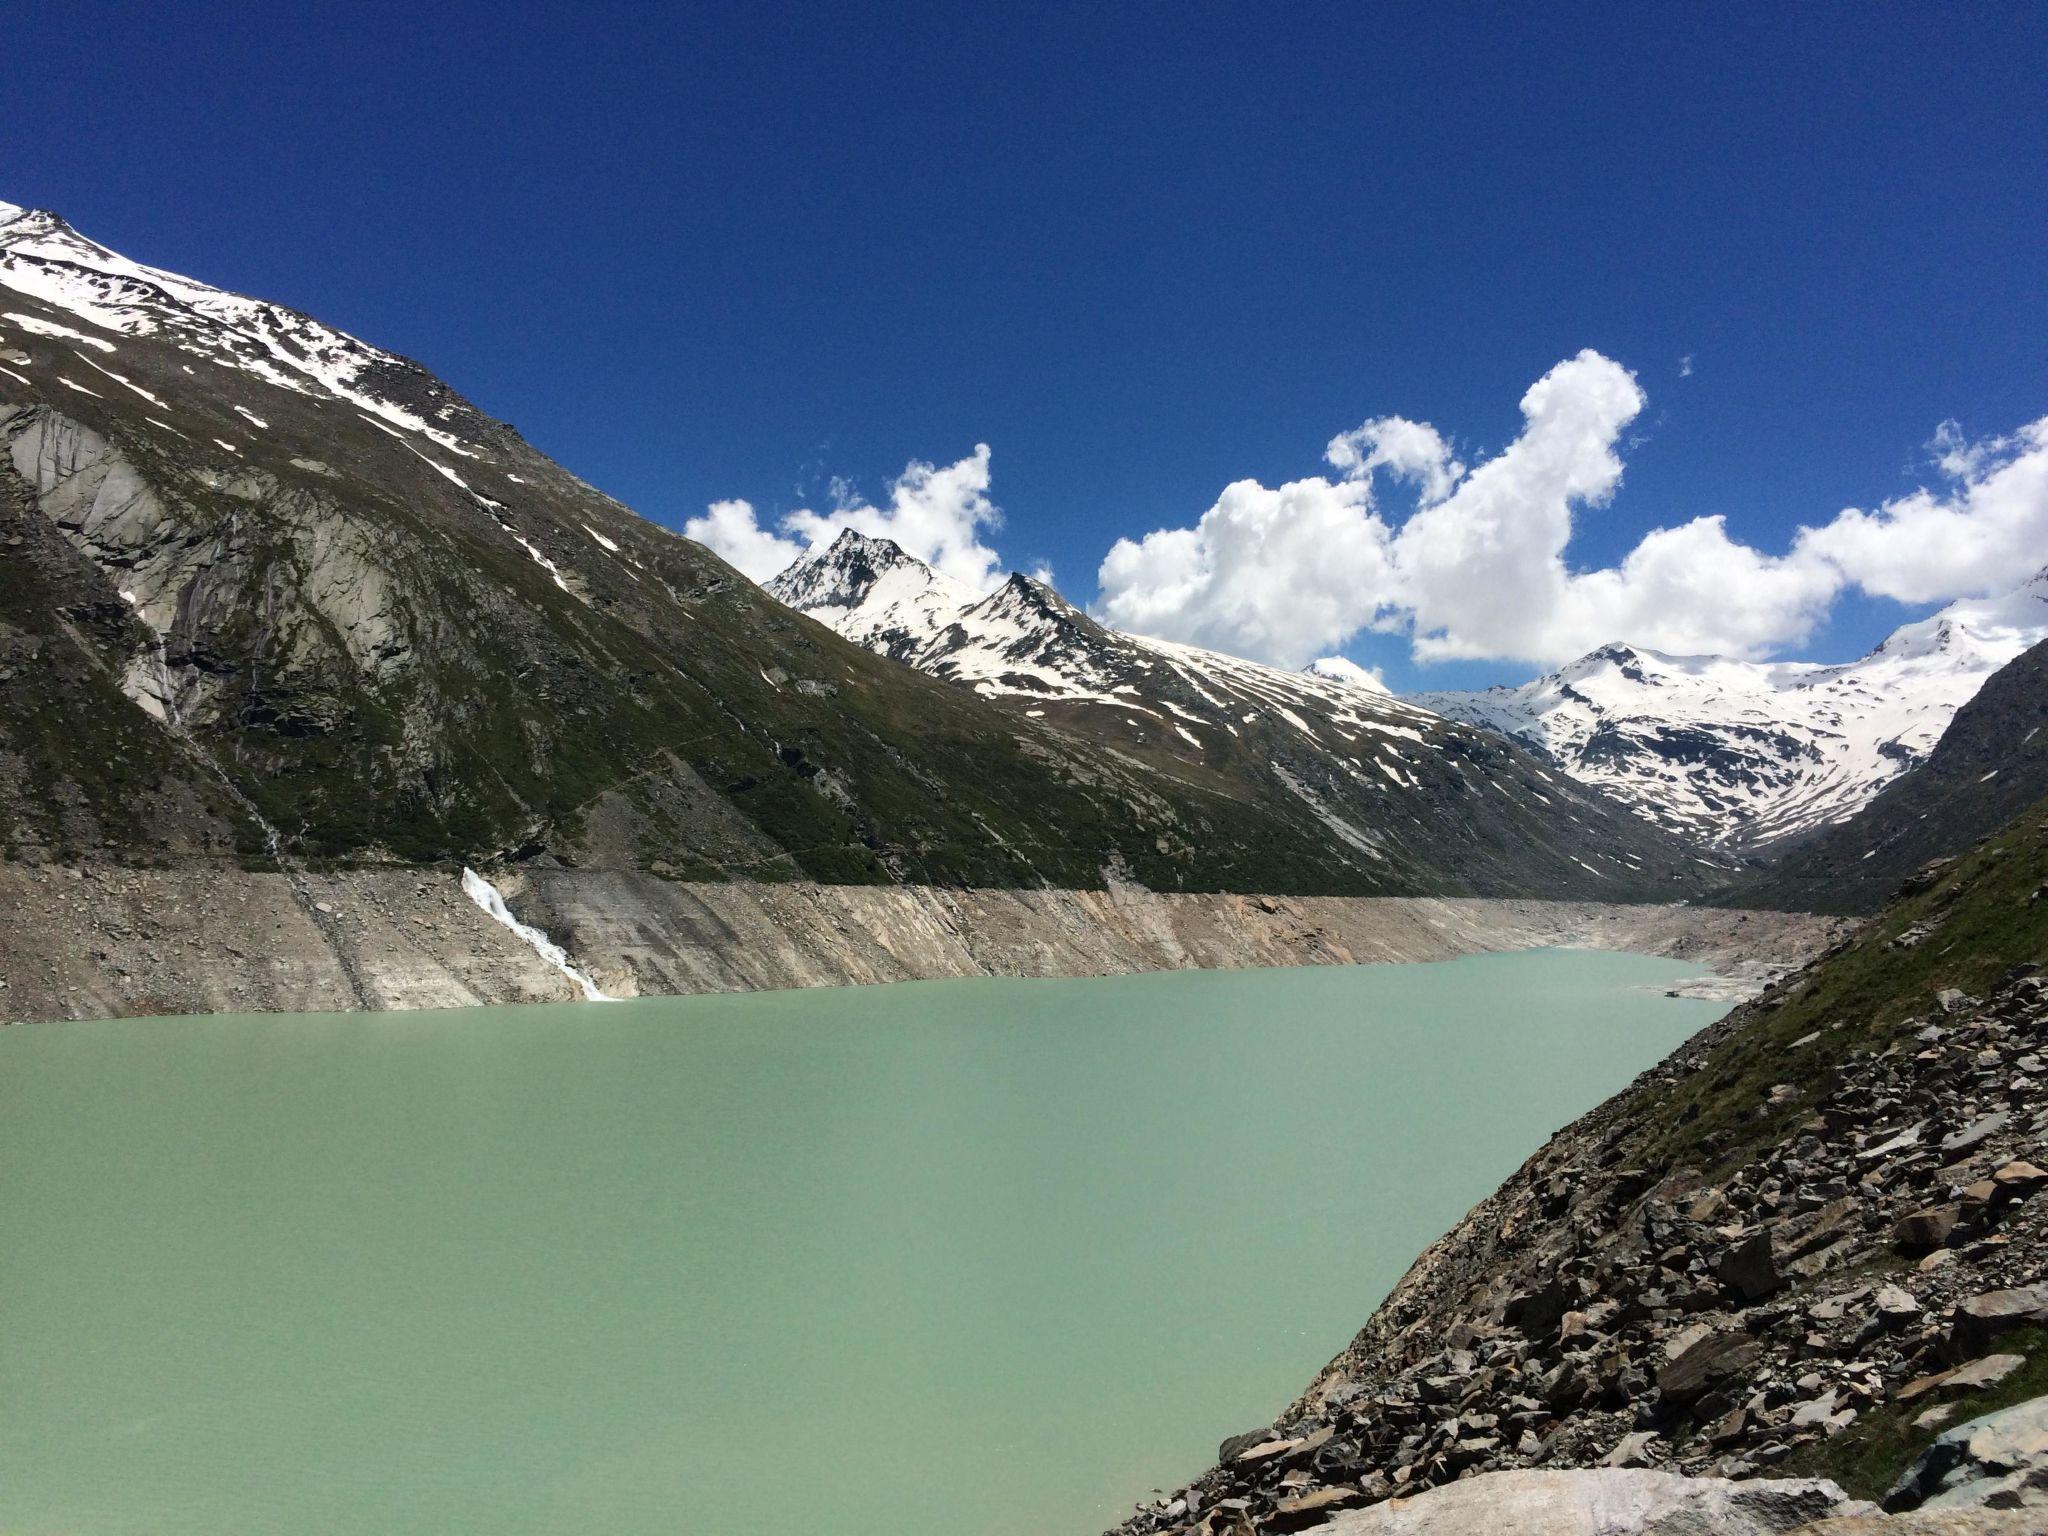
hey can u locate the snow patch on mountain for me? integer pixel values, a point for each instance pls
(1743, 754)
(1025, 641)
(1343, 669)
(43, 258)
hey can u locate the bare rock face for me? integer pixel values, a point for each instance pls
(1604, 1502)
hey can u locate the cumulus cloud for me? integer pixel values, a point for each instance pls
(1477, 567)
(1408, 450)
(1281, 574)
(1984, 529)
(733, 531)
(939, 514)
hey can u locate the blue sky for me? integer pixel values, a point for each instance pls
(1141, 251)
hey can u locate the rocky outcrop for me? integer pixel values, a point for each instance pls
(96, 941)
(1814, 1231)
(1997, 1462)
(1604, 1503)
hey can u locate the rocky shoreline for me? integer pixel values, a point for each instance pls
(98, 940)
(1805, 1243)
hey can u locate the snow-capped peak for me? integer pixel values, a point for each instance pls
(1342, 669)
(873, 592)
(1744, 753)
(47, 262)
(1025, 642)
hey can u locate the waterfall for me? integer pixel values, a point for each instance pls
(492, 901)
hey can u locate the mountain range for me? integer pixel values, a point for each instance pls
(1748, 756)
(1392, 783)
(275, 598)
(274, 594)
(1732, 757)
(1989, 766)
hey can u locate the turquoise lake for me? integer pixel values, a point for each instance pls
(964, 1257)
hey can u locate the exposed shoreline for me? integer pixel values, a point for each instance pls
(101, 941)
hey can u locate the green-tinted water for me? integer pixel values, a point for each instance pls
(953, 1257)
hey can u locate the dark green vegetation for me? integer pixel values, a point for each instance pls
(1965, 929)
(1990, 763)
(424, 642)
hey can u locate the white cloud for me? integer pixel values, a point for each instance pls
(937, 514)
(1478, 569)
(1983, 531)
(732, 531)
(1280, 574)
(1409, 450)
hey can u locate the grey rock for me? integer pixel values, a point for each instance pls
(1698, 1360)
(1998, 1461)
(1986, 1372)
(1976, 1133)
(1896, 1305)
(1613, 1501)
(1927, 1228)
(1749, 1269)
(1984, 1317)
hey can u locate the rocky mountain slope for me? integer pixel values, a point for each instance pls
(274, 595)
(1990, 762)
(1744, 755)
(1390, 784)
(1804, 1244)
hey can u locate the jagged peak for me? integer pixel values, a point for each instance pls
(852, 555)
(1028, 597)
(874, 546)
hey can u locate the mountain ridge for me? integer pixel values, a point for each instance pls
(1990, 763)
(303, 601)
(1745, 756)
(1389, 780)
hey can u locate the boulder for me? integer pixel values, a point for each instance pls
(1615, 1501)
(1927, 1228)
(1976, 1133)
(1982, 1318)
(1987, 1372)
(1748, 1267)
(1930, 1522)
(1539, 1311)
(1700, 1358)
(1999, 1461)
(1230, 1449)
(1303, 1510)
(1896, 1306)
(2020, 1177)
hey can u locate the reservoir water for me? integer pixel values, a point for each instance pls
(963, 1257)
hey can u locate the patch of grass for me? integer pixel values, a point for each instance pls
(1868, 1456)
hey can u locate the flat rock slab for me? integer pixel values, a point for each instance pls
(1931, 1522)
(2000, 1460)
(1603, 1502)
